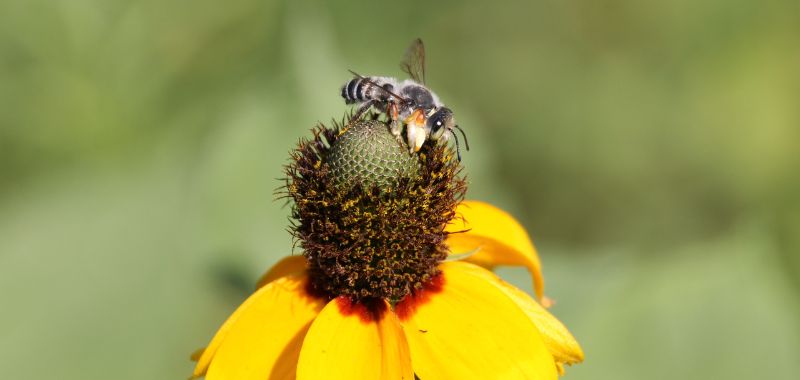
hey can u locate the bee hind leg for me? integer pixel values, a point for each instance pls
(361, 110)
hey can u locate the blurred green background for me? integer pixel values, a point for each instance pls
(651, 148)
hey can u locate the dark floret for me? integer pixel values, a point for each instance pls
(370, 216)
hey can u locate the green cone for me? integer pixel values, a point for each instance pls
(368, 153)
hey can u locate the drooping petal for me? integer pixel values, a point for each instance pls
(262, 339)
(350, 341)
(203, 356)
(467, 328)
(557, 338)
(499, 238)
(286, 266)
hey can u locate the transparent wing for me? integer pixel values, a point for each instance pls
(414, 61)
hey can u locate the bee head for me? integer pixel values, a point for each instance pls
(440, 122)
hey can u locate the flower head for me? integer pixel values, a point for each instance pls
(374, 295)
(370, 217)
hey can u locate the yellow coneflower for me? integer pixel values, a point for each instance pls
(374, 296)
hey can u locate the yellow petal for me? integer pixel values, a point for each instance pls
(203, 356)
(262, 339)
(499, 238)
(348, 341)
(470, 329)
(286, 266)
(557, 338)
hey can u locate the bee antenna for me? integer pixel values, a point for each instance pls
(357, 74)
(462, 134)
(458, 149)
(398, 97)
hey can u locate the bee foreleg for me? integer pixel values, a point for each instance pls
(416, 132)
(415, 135)
(458, 148)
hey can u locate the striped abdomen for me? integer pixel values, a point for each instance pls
(359, 90)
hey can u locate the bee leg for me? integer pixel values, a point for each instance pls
(395, 125)
(458, 148)
(363, 108)
(411, 136)
(423, 131)
(415, 130)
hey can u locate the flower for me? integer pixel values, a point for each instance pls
(390, 306)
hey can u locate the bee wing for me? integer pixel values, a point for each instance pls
(414, 61)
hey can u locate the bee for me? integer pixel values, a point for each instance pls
(408, 103)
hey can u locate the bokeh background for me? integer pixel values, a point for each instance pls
(651, 148)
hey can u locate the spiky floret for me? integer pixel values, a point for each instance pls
(367, 234)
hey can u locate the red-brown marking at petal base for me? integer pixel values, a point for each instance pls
(406, 308)
(368, 310)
